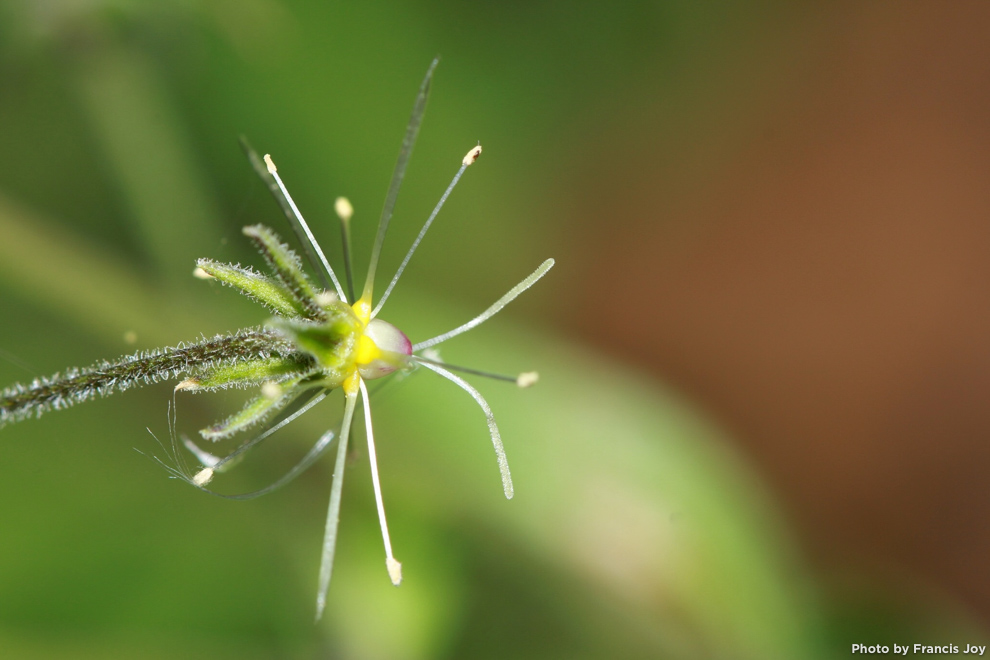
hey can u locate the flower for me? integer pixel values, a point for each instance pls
(320, 339)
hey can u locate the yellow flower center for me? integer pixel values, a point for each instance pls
(367, 350)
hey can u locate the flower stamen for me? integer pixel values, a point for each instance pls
(393, 566)
(297, 216)
(465, 162)
(342, 207)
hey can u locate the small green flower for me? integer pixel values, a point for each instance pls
(319, 339)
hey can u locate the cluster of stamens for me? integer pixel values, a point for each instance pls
(321, 338)
(345, 341)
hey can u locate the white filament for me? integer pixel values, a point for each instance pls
(311, 457)
(393, 566)
(302, 223)
(491, 311)
(470, 158)
(254, 441)
(503, 463)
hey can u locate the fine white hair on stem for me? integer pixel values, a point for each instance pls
(503, 463)
(465, 162)
(305, 227)
(491, 311)
(393, 566)
(333, 511)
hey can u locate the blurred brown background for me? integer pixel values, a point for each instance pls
(825, 294)
(770, 225)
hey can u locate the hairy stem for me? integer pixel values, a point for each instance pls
(77, 385)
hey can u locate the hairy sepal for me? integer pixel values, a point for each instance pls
(256, 411)
(271, 293)
(287, 268)
(252, 372)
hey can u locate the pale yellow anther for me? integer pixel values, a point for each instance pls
(201, 274)
(203, 477)
(188, 384)
(271, 166)
(472, 155)
(271, 390)
(343, 208)
(394, 570)
(527, 379)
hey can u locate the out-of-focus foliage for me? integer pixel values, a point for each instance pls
(635, 531)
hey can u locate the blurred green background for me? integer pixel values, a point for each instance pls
(749, 207)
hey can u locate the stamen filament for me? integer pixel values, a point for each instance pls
(468, 160)
(345, 211)
(262, 171)
(305, 227)
(253, 442)
(503, 463)
(491, 311)
(467, 370)
(394, 567)
(315, 452)
(333, 511)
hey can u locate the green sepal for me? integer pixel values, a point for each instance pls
(252, 372)
(255, 412)
(287, 268)
(332, 344)
(272, 294)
